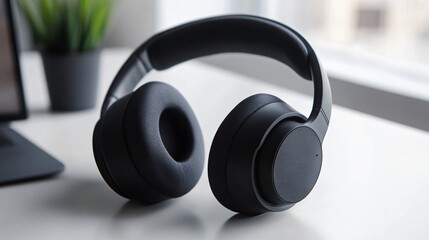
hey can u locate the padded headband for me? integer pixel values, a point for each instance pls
(232, 33)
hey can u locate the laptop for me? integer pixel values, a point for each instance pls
(20, 159)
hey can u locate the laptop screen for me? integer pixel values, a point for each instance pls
(11, 98)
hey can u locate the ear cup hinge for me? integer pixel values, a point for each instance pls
(145, 61)
(319, 123)
(134, 69)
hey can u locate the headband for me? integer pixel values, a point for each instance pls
(236, 33)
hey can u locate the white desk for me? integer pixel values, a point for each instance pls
(373, 185)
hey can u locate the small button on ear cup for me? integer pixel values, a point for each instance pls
(164, 139)
(231, 155)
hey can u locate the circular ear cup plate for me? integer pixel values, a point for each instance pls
(297, 164)
(164, 139)
(222, 142)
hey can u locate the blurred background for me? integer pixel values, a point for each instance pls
(376, 52)
(396, 29)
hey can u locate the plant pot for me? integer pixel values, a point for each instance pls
(72, 80)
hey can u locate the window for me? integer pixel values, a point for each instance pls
(371, 19)
(376, 52)
(394, 29)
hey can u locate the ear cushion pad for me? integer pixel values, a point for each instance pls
(222, 141)
(99, 159)
(113, 158)
(164, 139)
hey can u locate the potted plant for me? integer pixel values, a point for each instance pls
(68, 33)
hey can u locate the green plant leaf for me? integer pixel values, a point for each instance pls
(63, 26)
(85, 12)
(50, 11)
(73, 27)
(33, 21)
(99, 20)
(47, 8)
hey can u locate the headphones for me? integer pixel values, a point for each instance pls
(265, 156)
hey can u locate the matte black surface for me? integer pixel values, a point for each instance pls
(240, 171)
(234, 150)
(229, 33)
(97, 146)
(289, 163)
(161, 143)
(175, 129)
(117, 159)
(266, 158)
(148, 145)
(245, 34)
(218, 157)
(129, 75)
(173, 177)
(22, 160)
(297, 164)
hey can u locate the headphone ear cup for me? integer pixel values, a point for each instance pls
(101, 164)
(222, 141)
(164, 139)
(234, 156)
(113, 159)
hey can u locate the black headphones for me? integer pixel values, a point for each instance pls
(265, 156)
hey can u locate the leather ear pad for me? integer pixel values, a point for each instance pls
(222, 141)
(164, 139)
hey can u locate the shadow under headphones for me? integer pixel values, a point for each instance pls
(265, 156)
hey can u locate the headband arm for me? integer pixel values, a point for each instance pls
(219, 35)
(229, 34)
(130, 74)
(322, 104)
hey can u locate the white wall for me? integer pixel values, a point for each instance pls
(133, 21)
(172, 13)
